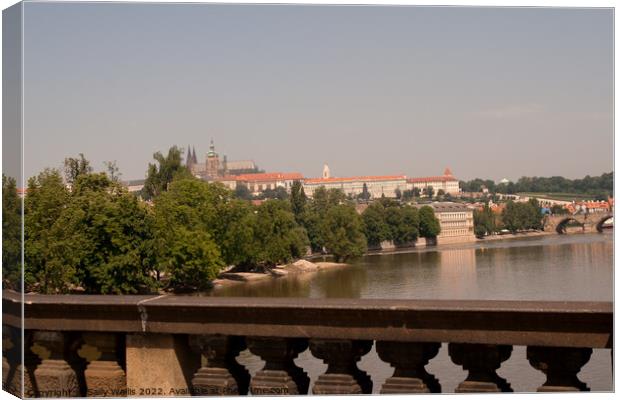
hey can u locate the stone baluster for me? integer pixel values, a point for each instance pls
(561, 366)
(482, 361)
(32, 361)
(409, 360)
(11, 360)
(222, 375)
(104, 375)
(280, 375)
(54, 376)
(342, 375)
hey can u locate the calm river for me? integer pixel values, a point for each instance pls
(567, 267)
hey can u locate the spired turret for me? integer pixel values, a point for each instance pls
(213, 162)
(326, 173)
(211, 152)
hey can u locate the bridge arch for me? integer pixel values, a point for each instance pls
(599, 224)
(561, 226)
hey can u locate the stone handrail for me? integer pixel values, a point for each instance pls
(559, 337)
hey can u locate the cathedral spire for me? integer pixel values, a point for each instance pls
(188, 158)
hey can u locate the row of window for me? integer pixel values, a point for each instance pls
(457, 215)
(448, 224)
(456, 232)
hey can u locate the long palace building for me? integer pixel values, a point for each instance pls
(235, 173)
(382, 185)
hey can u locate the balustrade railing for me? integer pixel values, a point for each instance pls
(152, 345)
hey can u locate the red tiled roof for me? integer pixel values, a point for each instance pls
(356, 178)
(270, 176)
(426, 179)
(225, 178)
(594, 204)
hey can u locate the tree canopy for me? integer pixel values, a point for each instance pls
(344, 236)
(11, 234)
(429, 224)
(161, 174)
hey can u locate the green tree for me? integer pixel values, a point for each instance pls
(312, 223)
(534, 215)
(74, 167)
(344, 236)
(46, 199)
(324, 199)
(410, 228)
(113, 171)
(512, 218)
(429, 191)
(376, 229)
(403, 222)
(365, 195)
(11, 234)
(298, 200)
(408, 195)
(279, 193)
(161, 174)
(184, 232)
(242, 192)
(235, 233)
(429, 224)
(192, 258)
(484, 221)
(557, 209)
(313, 218)
(102, 235)
(279, 237)
(520, 216)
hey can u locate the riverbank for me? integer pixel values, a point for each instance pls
(296, 268)
(226, 279)
(519, 235)
(468, 243)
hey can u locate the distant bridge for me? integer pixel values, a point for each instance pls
(592, 222)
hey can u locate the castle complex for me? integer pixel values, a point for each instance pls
(235, 173)
(213, 168)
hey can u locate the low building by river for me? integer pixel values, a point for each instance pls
(456, 221)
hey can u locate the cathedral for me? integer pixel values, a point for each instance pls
(213, 168)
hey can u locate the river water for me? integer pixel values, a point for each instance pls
(555, 267)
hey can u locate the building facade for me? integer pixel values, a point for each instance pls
(258, 183)
(377, 186)
(446, 182)
(456, 221)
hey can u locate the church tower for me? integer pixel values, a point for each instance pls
(213, 162)
(189, 160)
(326, 174)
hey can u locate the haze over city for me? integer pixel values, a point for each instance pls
(490, 92)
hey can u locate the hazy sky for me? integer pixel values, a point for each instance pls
(489, 92)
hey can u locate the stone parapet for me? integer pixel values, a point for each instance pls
(152, 345)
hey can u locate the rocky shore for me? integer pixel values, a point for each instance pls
(298, 267)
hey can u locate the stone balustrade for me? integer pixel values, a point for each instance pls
(152, 345)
